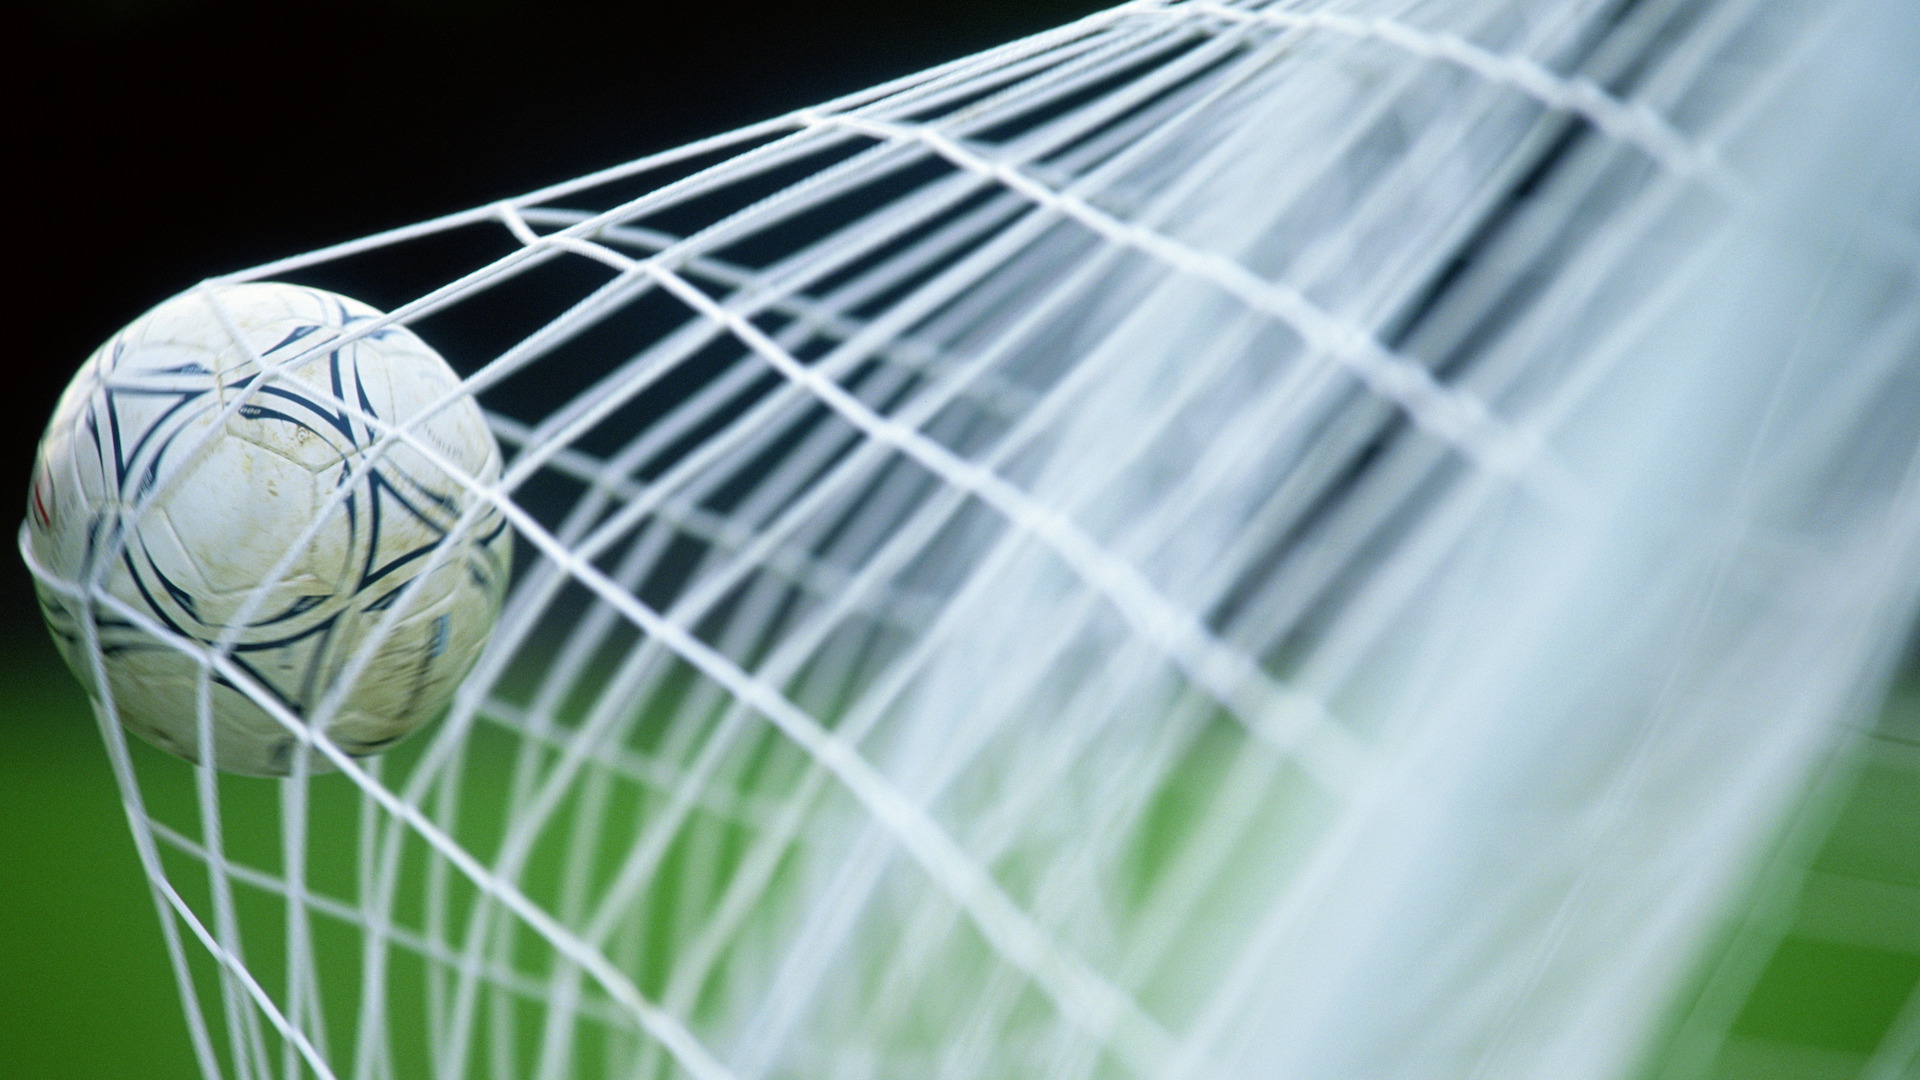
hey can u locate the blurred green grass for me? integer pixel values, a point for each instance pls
(90, 993)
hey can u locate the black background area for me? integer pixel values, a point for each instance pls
(157, 142)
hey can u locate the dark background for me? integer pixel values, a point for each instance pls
(157, 142)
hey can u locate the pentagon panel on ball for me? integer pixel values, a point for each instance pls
(264, 515)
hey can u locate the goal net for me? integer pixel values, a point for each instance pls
(1294, 539)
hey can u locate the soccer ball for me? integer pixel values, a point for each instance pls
(219, 468)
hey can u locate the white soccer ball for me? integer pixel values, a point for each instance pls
(214, 467)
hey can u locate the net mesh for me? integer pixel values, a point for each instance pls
(1267, 539)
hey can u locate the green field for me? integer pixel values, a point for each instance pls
(1815, 968)
(89, 993)
(1809, 977)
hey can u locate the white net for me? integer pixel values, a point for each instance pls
(1228, 539)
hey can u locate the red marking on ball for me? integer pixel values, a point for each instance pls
(40, 507)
